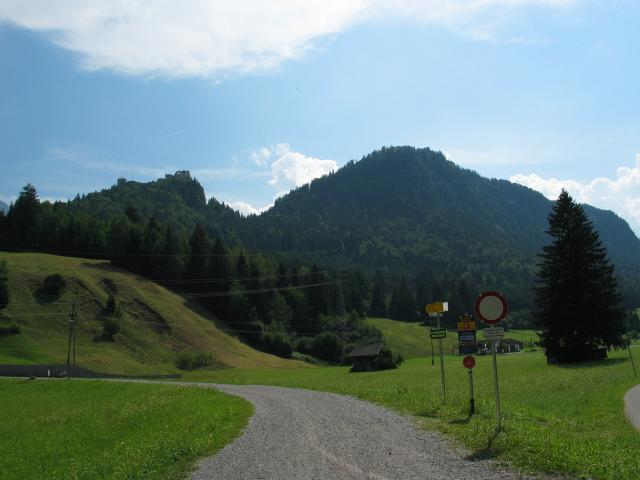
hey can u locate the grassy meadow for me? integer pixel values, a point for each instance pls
(156, 323)
(557, 419)
(85, 429)
(411, 340)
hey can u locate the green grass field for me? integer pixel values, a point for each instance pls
(411, 339)
(566, 420)
(156, 323)
(96, 429)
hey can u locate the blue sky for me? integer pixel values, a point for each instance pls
(258, 97)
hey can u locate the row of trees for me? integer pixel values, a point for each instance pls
(7, 325)
(276, 302)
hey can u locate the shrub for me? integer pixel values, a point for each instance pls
(9, 328)
(110, 327)
(387, 360)
(327, 346)
(277, 343)
(112, 307)
(4, 294)
(194, 360)
(54, 284)
(304, 345)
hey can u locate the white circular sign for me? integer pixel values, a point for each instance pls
(491, 307)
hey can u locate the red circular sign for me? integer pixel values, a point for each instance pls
(491, 307)
(469, 362)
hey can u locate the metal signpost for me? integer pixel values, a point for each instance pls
(436, 310)
(491, 308)
(628, 342)
(469, 362)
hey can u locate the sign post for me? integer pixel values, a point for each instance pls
(491, 308)
(469, 362)
(628, 342)
(437, 309)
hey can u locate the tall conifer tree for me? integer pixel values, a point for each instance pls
(577, 301)
(378, 305)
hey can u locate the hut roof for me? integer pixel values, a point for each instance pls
(369, 350)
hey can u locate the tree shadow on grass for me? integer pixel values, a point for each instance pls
(609, 362)
(487, 452)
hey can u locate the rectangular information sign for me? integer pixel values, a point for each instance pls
(438, 333)
(467, 326)
(466, 337)
(437, 307)
(493, 332)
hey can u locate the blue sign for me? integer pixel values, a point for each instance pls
(466, 336)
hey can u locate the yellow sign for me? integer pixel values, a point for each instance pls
(438, 307)
(468, 326)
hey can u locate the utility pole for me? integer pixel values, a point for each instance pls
(71, 345)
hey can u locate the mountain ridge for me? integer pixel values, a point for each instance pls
(408, 212)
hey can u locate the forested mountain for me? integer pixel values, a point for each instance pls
(4, 207)
(403, 208)
(432, 229)
(177, 199)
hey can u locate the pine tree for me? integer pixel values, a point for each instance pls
(198, 251)
(403, 304)
(4, 288)
(378, 306)
(577, 301)
(220, 273)
(22, 218)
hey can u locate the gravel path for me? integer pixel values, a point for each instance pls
(300, 434)
(632, 406)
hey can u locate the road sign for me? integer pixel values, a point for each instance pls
(493, 333)
(469, 361)
(467, 326)
(467, 337)
(467, 348)
(437, 307)
(438, 333)
(491, 307)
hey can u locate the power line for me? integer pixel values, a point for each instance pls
(187, 281)
(255, 291)
(204, 255)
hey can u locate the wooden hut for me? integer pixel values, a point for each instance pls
(362, 356)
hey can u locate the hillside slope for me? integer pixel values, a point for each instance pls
(157, 323)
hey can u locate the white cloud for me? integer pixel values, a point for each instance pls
(291, 169)
(248, 209)
(215, 38)
(621, 194)
(261, 156)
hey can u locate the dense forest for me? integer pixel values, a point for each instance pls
(381, 237)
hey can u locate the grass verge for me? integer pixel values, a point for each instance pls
(557, 419)
(95, 429)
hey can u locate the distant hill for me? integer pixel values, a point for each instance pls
(406, 211)
(4, 207)
(156, 323)
(177, 199)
